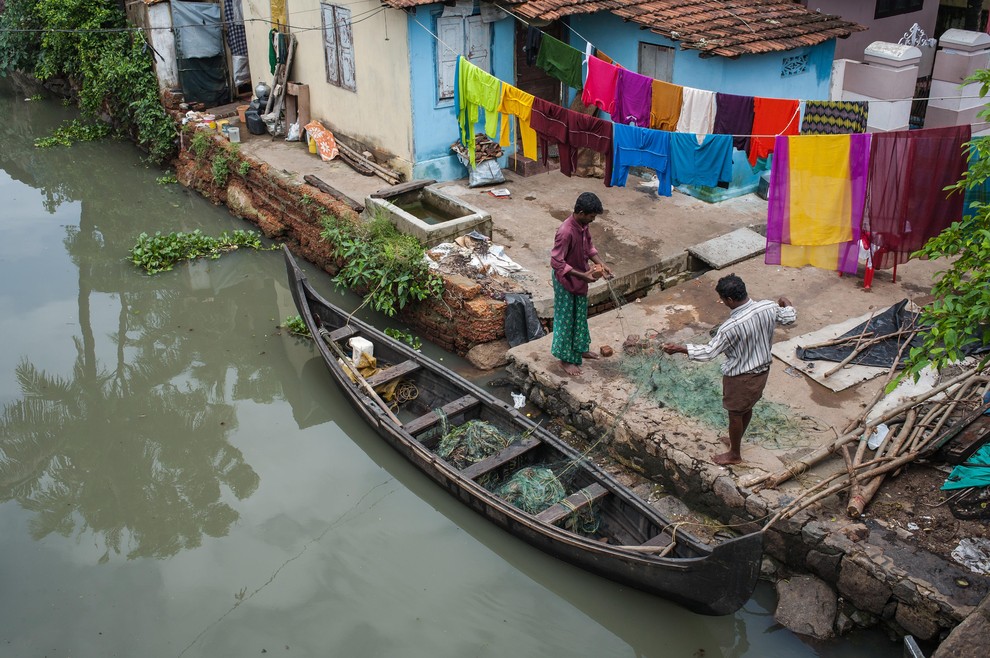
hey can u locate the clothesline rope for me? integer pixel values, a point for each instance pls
(870, 100)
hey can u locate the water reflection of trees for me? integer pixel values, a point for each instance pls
(137, 451)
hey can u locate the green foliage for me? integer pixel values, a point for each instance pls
(221, 167)
(244, 168)
(959, 315)
(406, 337)
(111, 71)
(294, 324)
(200, 144)
(168, 179)
(375, 257)
(306, 200)
(74, 131)
(159, 253)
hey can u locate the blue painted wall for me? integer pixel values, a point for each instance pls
(434, 121)
(747, 75)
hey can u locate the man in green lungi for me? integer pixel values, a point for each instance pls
(572, 250)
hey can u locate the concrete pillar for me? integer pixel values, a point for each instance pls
(961, 53)
(889, 71)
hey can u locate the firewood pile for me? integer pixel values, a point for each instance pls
(484, 149)
(917, 427)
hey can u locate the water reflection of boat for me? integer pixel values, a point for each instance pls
(630, 543)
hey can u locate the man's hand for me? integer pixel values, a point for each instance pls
(674, 348)
(607, 271)
(783, 302)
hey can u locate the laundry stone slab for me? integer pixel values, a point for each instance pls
(730, 248)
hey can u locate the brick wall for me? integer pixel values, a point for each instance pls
(289, 212)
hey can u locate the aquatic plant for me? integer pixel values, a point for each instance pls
(160, 253)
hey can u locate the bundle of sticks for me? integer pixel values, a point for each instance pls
(915, 430)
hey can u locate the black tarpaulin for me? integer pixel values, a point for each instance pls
(882, 354)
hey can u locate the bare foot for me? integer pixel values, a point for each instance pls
(590, 355)
(571, 369)
(727, 458)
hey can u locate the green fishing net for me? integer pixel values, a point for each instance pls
(469, 443)
(694, 390)
(536, 488)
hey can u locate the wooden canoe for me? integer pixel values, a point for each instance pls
(631, 544)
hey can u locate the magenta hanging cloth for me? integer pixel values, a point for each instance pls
(816, 201)
(633, 99)
(907, 203)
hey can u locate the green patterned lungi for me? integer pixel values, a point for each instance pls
(571, 338)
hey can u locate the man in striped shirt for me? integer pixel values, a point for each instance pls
(745, 340)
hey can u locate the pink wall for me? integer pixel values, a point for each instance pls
(885, 29)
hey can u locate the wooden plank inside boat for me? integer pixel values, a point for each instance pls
(343, 333)
(426, 421)
(397, 371)
(573, 503)
(489, 464)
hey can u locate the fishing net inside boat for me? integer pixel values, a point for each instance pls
(470, 442)
(534, 489)
(694, 390)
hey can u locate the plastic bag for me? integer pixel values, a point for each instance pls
(293, 134)
(518, 400)
(486, 173)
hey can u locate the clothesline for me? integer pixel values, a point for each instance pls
(865, 100)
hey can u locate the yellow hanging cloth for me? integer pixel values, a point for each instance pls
(520, 104)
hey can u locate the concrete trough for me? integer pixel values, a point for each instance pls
(430, 215)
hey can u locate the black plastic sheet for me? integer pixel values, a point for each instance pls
(522, 324)
(881, 354)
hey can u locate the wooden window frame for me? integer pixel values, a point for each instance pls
(338, 46)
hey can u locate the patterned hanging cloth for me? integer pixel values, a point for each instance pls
(817, 196)
(908, 204)
(834, 117)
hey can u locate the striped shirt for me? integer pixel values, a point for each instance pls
(745, 337)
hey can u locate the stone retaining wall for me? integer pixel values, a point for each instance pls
(289, 211)
(869, 576)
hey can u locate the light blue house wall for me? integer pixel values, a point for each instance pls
(747, 75)
(434, 121)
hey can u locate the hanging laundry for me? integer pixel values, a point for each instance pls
(599, 88)
(519, 104)
(734, 116)
(640, 147)
(560, 61)
(817, 199)
(665, 105)
(907, 203)
(771, 117)
(834, 117)
(697, 112)
(602, 56)
(586, 131)
(549, 120)
(706, 163)
(533, 38)
(474, 88)
(633, 95)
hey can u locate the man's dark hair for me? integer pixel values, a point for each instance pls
(589, 204)
(731, 287)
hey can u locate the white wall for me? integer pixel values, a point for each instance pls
(379, 113)
(885, 29)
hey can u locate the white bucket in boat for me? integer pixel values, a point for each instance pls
(359, 345)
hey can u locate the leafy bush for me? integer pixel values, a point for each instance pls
(111, 71)
(375, 257)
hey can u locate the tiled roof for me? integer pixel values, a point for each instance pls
(715, 27)
(403, 4)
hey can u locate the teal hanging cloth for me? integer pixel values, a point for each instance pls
(975, 472)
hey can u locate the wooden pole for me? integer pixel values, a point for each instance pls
(358, 377)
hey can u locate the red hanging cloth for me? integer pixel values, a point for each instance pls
(907, 205)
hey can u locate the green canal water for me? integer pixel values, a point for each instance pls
(177, 478)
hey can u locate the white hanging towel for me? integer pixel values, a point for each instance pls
(697, 112)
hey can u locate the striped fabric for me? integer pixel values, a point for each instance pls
(745, 337)
(236, 36)
(834, 117)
